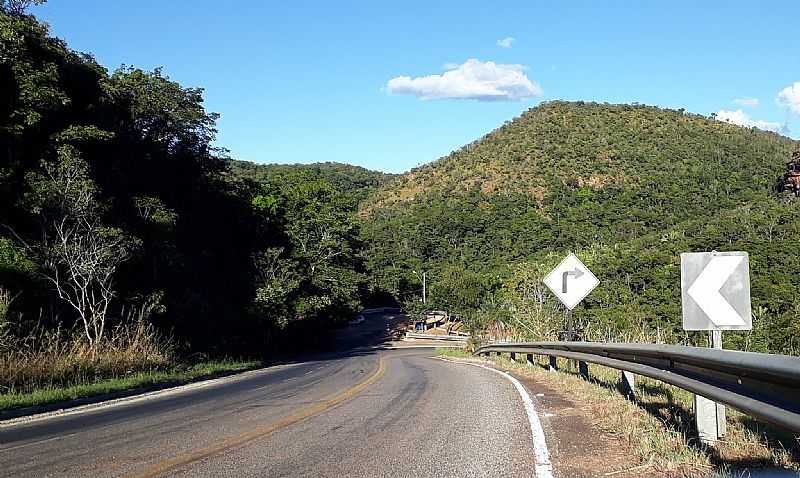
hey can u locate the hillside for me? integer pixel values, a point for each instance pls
(343, 177)
(627, 186)
(563, 146)
(569, 174)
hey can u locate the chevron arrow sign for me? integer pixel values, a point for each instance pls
(715, 291)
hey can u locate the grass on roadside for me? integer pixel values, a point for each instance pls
(659, 426)
(45, 366)
(176, 375)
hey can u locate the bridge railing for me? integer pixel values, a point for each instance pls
(764, 386)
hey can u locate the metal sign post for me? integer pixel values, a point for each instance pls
(715, 296)
(571, 281)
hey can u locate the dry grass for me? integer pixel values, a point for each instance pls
(56, 366)
(659, 426)
(46, 359)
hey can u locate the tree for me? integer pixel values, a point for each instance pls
(19, 7)
(80, 255)
(311, 259)
(277, 280)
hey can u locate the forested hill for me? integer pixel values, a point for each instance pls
(629, 187)
(119, 215)
(345, 178)
(570, 174)
(644, 154)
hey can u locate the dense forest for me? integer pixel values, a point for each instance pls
(626, 187)
(124, 230)
(360, 183)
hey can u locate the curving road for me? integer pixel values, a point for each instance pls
(367, 412)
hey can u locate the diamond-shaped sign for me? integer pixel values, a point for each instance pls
(571, 281)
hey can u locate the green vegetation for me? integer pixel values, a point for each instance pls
(129, 243)
(626, 187)
(136, 380)
(345, 178)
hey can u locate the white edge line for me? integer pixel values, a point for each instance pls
(544, 469)
(89, 407)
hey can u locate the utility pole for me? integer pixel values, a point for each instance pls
(424, 286)
(424, 289)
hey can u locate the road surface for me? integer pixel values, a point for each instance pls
(366, 412)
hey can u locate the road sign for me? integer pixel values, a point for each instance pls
(715, 291)
(571, 281)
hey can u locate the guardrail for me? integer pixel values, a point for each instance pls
(382, 310)
(764, 386)
(451, 338)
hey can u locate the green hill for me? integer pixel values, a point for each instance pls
(345, 178)
(628, 187)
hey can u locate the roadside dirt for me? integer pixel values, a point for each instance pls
(578, 449)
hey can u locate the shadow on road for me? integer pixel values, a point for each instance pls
(378, 330)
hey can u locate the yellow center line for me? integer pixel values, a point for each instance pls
(262, 431)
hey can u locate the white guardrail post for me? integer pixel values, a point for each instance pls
(583, 369)
(553, 363)
(628, 382)
(710, 415)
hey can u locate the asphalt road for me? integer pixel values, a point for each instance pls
(363, 412)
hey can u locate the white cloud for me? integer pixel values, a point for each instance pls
(473, 80)
(505, 42)
(740, 118)
(747, 101)
(790, 96)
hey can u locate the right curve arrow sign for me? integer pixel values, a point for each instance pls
(716, 291)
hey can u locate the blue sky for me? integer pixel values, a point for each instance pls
(309, 81)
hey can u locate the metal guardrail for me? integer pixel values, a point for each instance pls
(451, 338)
(764, 386)
(382, 310)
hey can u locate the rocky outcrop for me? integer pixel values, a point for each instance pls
(791, 178)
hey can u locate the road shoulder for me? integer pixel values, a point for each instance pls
(577, 447)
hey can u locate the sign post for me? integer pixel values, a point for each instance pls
(571, 281)
(715, 296)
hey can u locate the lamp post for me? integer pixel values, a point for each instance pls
(424, 285)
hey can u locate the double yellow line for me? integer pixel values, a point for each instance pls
(262, 431)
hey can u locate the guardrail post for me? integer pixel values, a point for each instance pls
(722, 428)
(583, 368)
(722, 425)
(710, 415)
(498, 354)
(529, 359)
(628, 383)
(553, 363)
(705, 413)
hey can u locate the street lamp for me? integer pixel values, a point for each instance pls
(424, 285)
